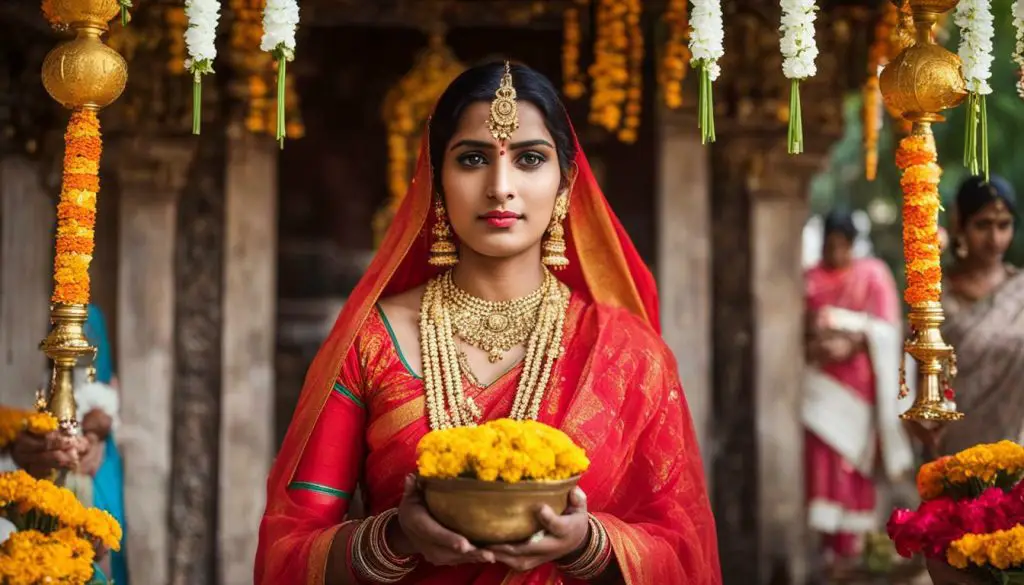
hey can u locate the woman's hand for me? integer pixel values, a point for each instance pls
(563, 536)
(41, 455)
(418, 533)
(92, 459)
(97, 422)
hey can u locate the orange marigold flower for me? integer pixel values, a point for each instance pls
(930, 479)
(76, 212)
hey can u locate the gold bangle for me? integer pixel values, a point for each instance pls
(595, 558)
(365, 567)
(387, 561)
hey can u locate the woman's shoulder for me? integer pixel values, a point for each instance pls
(404, 305)
(627, 334)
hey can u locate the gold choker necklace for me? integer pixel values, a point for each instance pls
(493, 326)
(537, 319)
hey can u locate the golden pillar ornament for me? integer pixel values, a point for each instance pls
(84, 75)
(923, 80)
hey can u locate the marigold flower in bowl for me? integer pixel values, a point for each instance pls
(488, 482)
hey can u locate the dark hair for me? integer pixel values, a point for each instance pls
(841, 221)
(478, 84)
(975, 193)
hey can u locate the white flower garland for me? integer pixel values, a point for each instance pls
(1018, 52)
(974, 17)
(707, 39)
(280, 21)
(799, 51)
(200, 40)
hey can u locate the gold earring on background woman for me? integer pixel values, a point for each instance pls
(961, 247)
(443, 252)
(553, 249)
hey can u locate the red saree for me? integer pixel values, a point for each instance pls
(615, 392)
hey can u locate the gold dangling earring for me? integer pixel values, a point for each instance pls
(443, 252)
(961, 248)
(553, 249)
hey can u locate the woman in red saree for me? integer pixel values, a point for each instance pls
(613, 388)
(851, 390)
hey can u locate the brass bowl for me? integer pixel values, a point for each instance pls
(494, 512)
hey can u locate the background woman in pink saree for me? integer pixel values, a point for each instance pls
(850, 406)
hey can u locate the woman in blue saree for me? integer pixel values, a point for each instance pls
(108, 482)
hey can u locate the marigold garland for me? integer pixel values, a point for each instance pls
(916, 157)
(76, 212)
(406, 107)
(878, 57)
(676, 60)
(501, 450)
(635, 92)
(572, 77)
(177, 24)
(609, 72)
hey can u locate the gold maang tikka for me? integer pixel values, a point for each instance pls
(504, 118)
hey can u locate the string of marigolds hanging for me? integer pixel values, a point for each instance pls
(799, 51)
(573, 81)
(874, 110)
(280, 21)
(200, 40)
(916, 156)
(635, 87)
(707, 37)
(672, 70)
(974, 17)
(1018, 49)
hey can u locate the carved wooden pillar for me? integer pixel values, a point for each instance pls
(684, 260)
(247, 393)
(152, 174)
(198, 366)
(27, 216)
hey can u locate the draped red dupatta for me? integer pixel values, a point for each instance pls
(670, 536)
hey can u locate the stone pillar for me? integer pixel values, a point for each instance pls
(247, 387)
(735, 469)
(759, 207)
(152, 174)
(779, 184)
(27, 217)
(198, 365)
(684, 260)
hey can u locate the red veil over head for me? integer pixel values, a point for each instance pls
(603, 266)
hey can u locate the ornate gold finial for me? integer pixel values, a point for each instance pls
(504, 119)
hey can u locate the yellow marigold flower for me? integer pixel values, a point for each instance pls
(1003, 549)
(986, 462)
(504, 449)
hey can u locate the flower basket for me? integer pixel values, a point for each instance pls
(972, 514)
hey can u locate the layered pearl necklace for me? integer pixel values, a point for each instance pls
(495, 327)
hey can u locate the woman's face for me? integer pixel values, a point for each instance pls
(988, 232)
(500, 197)
(837, 251)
